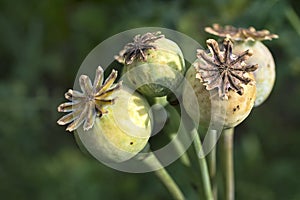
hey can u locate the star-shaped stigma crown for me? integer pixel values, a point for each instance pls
(222, 69)
(86, 105)
(136, 49)
(240, 34)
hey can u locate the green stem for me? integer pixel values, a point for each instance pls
(293, 18)
(213, 165)
(184, 158)
(177, 135)
(228, 164)
(203, 165)
(165, 177)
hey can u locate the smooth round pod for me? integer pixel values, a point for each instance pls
(159, 74)
(236, 108)
(122, 132)
(265, 74)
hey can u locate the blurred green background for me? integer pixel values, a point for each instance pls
(42, 44)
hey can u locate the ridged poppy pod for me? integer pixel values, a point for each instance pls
(121, 133)
(250, 38)
(116, 122)
(265, 74)
(153, 64)
(221, 78)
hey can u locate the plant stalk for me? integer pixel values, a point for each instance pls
(293, 18)
(212, 163)
(164, 176)
(203, 165)
(228, 163)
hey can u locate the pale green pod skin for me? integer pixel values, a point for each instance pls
(236, 108)
(265, 74)
(122, 132)
(162, 66)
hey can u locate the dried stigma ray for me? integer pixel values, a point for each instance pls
(240, 34)
(136, 49)
(86, 105)
(222, 69)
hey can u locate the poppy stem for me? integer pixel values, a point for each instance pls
(203, 165)
(168, 181)
(212, 164)
(228, 163)
(164, 177)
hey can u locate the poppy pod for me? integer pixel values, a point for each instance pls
(250, 38)
(153, 64)
(122, 132)
(221, 79)
(115, 121)
(265, 74)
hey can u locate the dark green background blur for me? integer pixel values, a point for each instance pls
(42, 44)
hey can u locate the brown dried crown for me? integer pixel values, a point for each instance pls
(222, 69)
(86, 105)
(136, 49)
(240, 34)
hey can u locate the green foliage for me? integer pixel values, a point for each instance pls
(41, 48)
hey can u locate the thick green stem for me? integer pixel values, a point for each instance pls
(203, 165)
(177, 135)
(165, 177)
(212, 163)
(228, 164)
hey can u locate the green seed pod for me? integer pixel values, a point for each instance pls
(116, 122)
(121, 133)
(238, 107)
(153, 64)
(250, 38)
(265, 74)
(220, 79)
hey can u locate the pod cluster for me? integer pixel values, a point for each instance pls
(112, 116)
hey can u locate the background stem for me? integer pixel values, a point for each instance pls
(165, 177)
(293, 18)
(203, 165)
(228, 164)
(213, 166)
